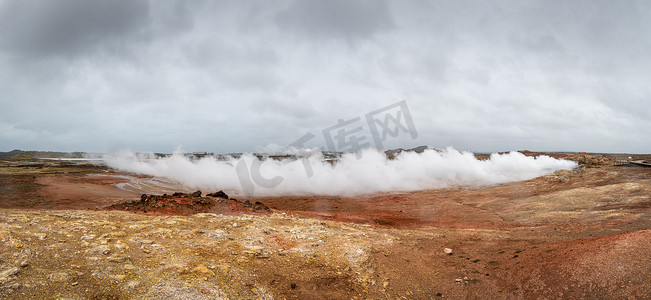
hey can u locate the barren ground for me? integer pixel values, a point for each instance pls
(574, 234)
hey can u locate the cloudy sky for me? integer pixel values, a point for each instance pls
(227, 76)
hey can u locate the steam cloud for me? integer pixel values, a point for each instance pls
(352, 174)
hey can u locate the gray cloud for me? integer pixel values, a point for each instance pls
(350, 20)
(69, 27)
(231, 76)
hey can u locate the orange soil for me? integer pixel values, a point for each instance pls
(569, 235)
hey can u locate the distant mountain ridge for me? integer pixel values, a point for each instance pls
(20, 154)
(10, 153)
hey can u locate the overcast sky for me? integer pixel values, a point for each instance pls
(230, 76)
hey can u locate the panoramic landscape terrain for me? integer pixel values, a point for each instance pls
(339, 149)
(69, 229)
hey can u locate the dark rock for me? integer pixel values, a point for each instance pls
(391, 154)
(419, 149)
(218, 194)
(259, 206)
(188, 204)
(292, 285)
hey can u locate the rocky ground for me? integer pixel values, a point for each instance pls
(189, 204)
(86, 255)
(573, 234)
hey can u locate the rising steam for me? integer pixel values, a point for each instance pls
(366, 172)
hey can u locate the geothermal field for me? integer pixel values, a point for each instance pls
(360, 149)
(400, 224)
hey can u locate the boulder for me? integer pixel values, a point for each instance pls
(218, 194)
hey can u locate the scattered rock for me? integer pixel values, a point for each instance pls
(196, 194)
(58, 277)
(203, 270)
(447, 251)
(131, 285)
(118, 234)
(88, 237)
(118, 258)
(118, 277)
(6, 274)
(130, 267)
(216, 234)
(102, 249)
(13, 286)
(250, 252)
(121, 246)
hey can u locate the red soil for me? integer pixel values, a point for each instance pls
(574, 234)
